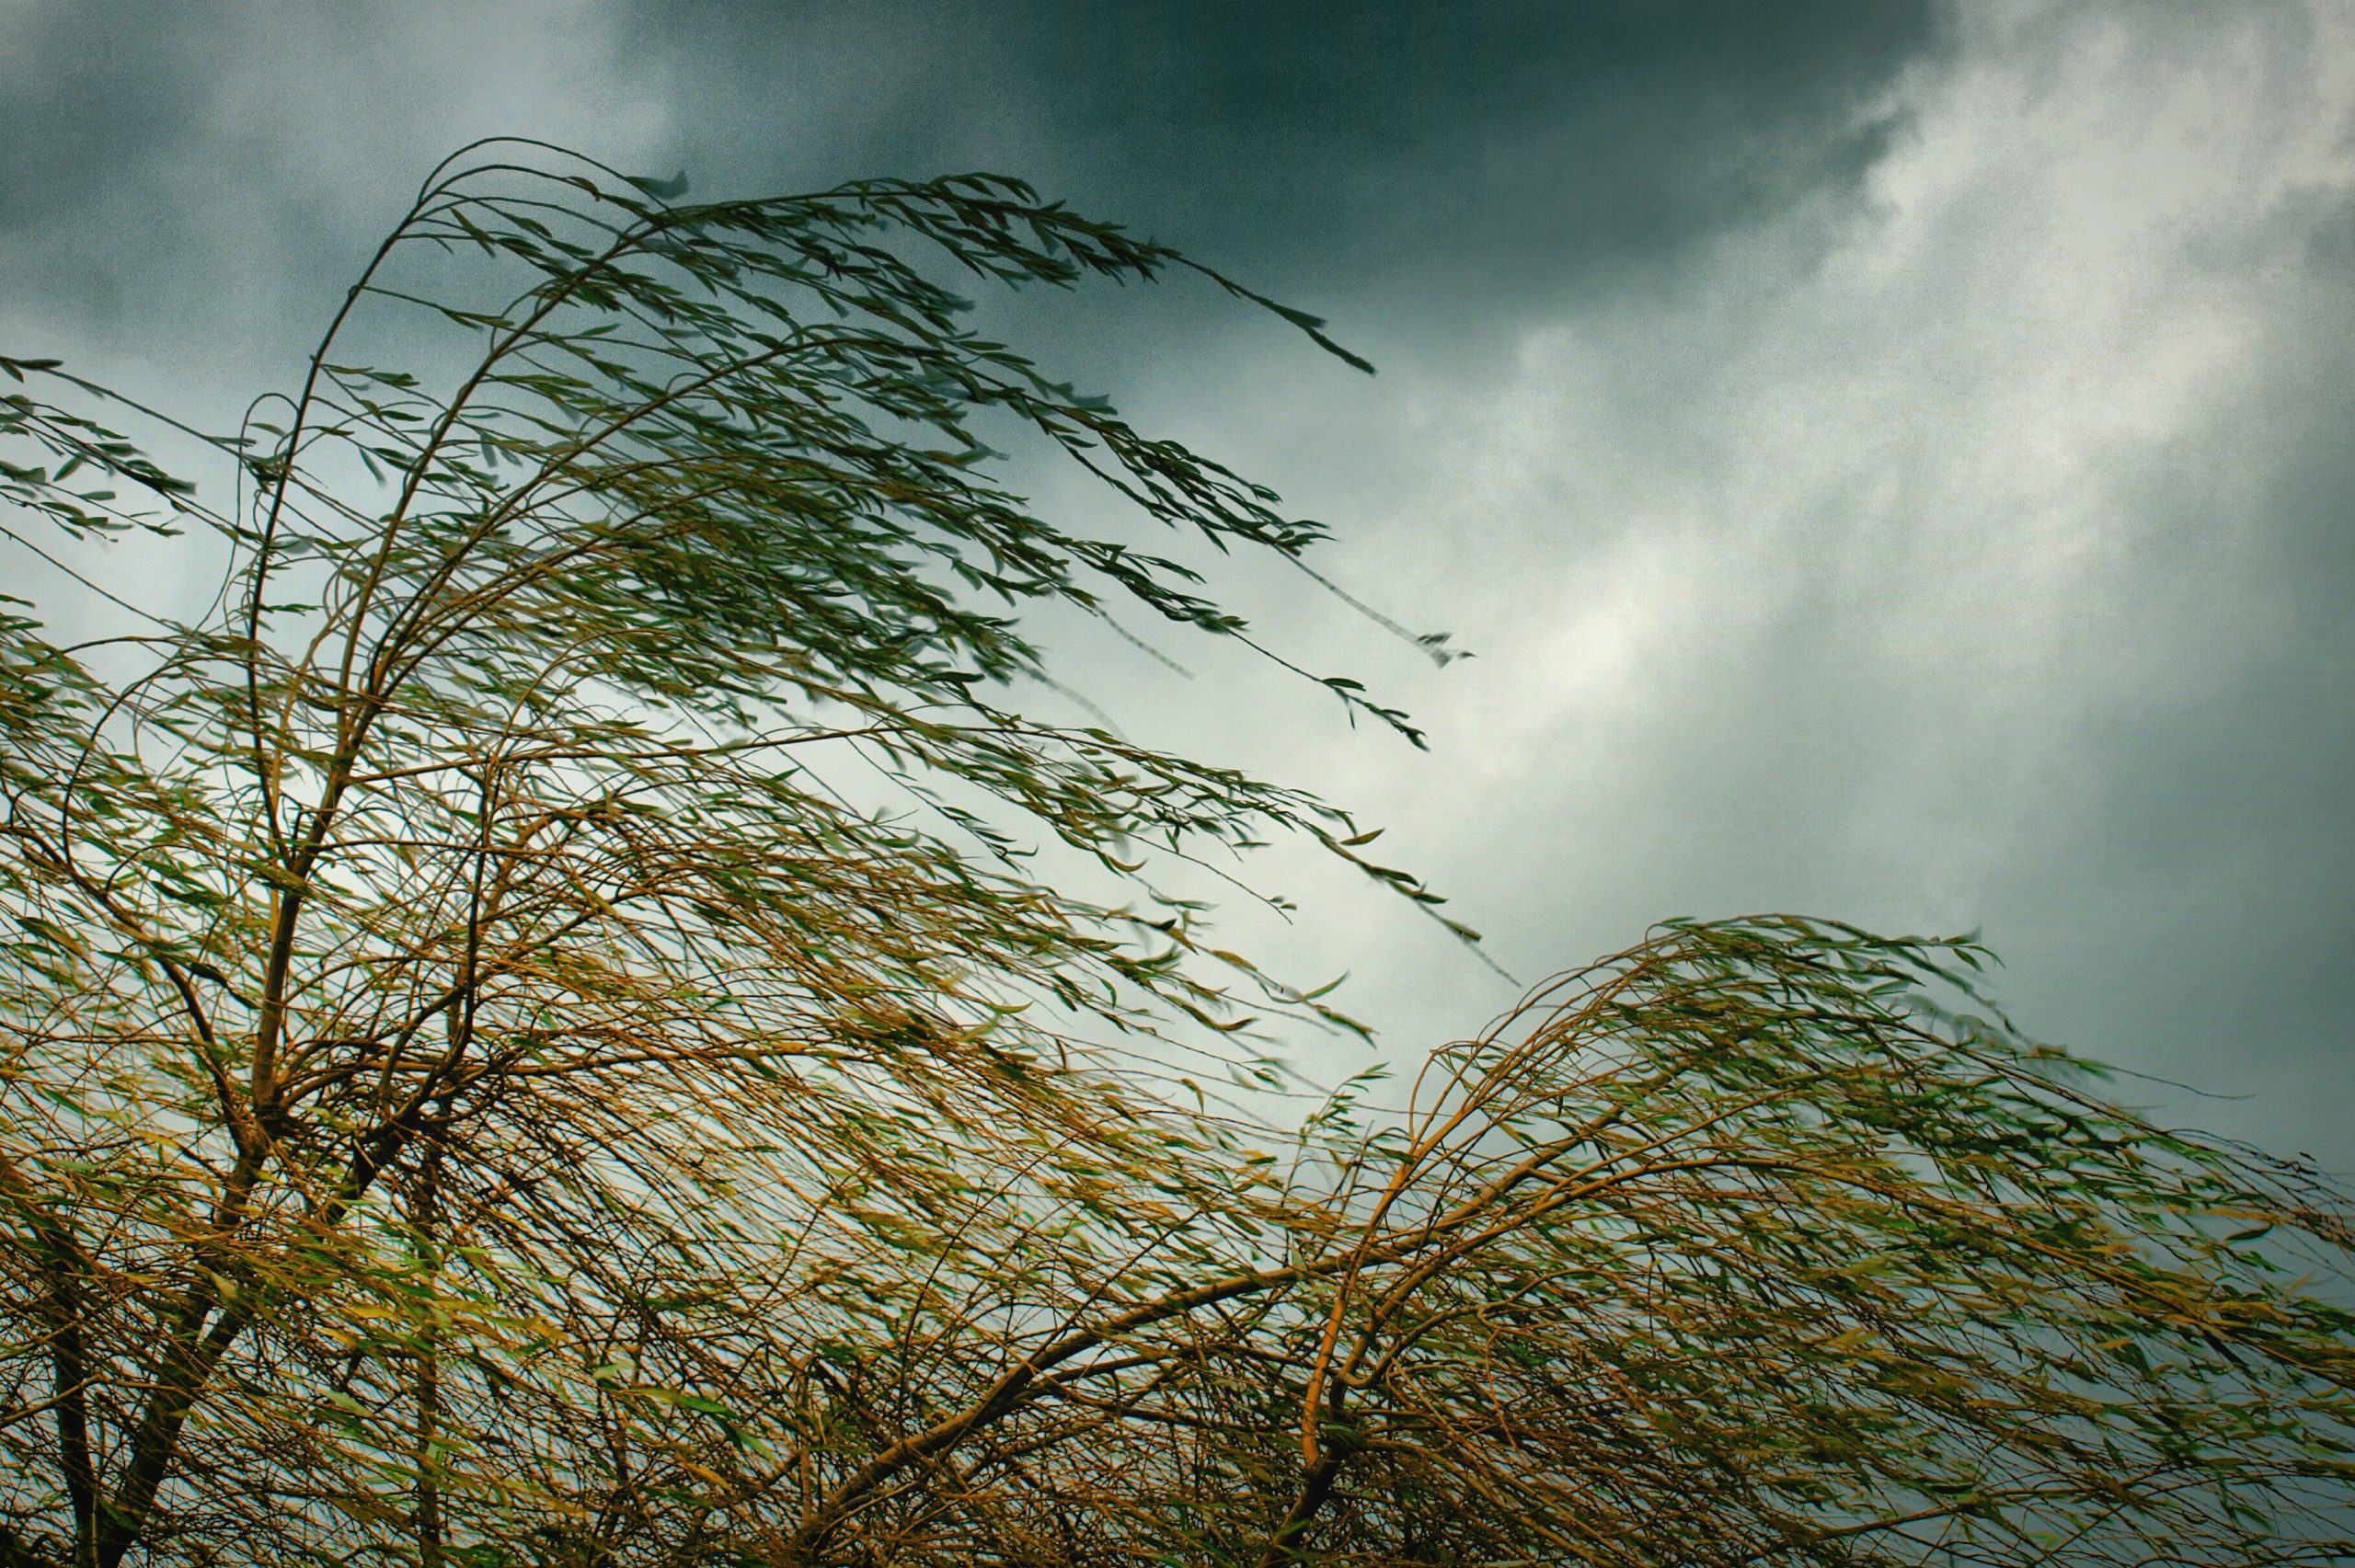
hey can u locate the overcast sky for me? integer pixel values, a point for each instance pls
(1891, 461)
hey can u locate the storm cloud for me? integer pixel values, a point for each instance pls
(1891, 460)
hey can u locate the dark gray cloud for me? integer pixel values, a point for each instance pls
(90, 93)
(1424, 172)
(2194, 911)
(1456, 163)
(197, 184)
(1890, 457)
(90, 98)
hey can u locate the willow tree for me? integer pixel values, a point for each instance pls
(555, 1023)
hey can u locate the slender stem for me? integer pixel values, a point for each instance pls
(425, 1457)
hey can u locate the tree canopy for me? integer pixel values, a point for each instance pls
(557, 1021)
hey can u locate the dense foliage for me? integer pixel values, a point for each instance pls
(534, 1030)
